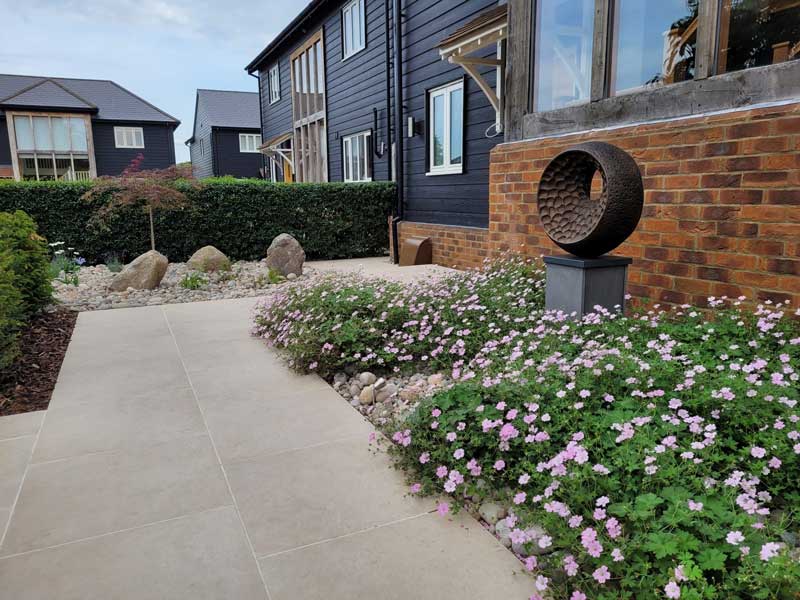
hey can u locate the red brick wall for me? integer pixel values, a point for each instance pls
(460, 247)
(722, 204)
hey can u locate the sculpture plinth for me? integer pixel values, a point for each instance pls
(589, 227)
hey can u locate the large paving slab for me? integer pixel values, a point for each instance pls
(180, 458)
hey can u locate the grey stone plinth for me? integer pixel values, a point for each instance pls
(577, 285)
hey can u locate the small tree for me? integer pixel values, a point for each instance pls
(153, 189)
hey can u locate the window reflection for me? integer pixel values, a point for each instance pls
(655, 43)
(753, 33)
(563, 65)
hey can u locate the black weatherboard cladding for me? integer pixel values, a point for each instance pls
(354, 87)
(5, 147)
(229, 161)
(158, 151)
(357, 85)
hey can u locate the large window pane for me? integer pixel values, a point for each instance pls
(61, 141)
(563, 65)
(438, 130)
(456, 125)
(753, 33)
(655, 42)
(24, 131)
(77, 130)
(41, 133)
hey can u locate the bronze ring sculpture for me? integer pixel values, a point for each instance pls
(579, 224)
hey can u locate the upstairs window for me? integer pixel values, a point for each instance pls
(354, 34)
(274, 84)
(356, 155)
(128, 137)
(249, 142)
(446, 125)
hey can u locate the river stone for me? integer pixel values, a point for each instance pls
(367, 378)
(491, 512)
(367, 395)
(503, 532)
(208, 259)
(386, 392)
(144, 273)
(286, 255)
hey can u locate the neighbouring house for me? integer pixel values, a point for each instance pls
(227, 135)
(705, 94)
(55, 128)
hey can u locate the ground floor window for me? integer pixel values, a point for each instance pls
(48, 147)
(446, 136)
(128, 137)
(249, 142)
(357, 157)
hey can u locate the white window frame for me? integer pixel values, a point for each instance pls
(125, 137)
(354, 38)
(447, 168)
(352, 163)
(249, 142)
(274, 84)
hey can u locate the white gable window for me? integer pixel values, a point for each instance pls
(249, 142)
(274, 84)
(356, 154)
(354, 28)
(128, 137)
(446, 125)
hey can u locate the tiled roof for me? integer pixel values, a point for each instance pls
(109, 100)
(230, 109)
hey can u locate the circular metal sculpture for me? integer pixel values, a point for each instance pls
(579, 224)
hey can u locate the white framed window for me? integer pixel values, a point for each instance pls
(354, 28)
(446, 129)
(274, 84)
(128, 137)
(356, 156)
(249, 142)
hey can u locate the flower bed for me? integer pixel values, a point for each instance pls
(643, 457)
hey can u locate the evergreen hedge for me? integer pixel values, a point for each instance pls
(240, 217)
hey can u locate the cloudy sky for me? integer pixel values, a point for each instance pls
(162, 50)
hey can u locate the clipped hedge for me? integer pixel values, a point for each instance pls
(240, 217)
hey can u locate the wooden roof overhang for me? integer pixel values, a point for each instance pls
(272, 147)
(488, 28)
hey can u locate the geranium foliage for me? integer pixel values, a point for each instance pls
(659, 452)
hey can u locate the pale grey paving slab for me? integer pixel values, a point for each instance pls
(305, 496)
(425, 558)
(120, 422)
(14, 457)
(22, 424)
(79, 497)
(247, 422)
(199, 557)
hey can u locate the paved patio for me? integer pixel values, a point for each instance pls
(180, 459)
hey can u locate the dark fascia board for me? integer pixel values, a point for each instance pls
(287, 32)
(734, 90)
(228, 128)
(45, 108)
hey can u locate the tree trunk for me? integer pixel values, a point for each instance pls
(152, 230)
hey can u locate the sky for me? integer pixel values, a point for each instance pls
(161, 50)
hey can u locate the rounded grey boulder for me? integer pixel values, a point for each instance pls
(286, 255)
(144, 273)
(208, 259)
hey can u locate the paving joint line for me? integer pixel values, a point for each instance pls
(216, 452)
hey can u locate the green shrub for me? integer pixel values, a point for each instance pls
(193, 281)
(25, 254)
(240, 217)
(10, 314)
(338, 321)
(657, 454)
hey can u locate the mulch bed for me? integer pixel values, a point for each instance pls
(28, 384)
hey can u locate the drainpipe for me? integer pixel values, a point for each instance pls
(260, 123)
(398, 126)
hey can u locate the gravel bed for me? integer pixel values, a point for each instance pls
(245, 279)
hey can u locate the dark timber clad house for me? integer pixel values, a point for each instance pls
(74, 129)
(705, 94)
(226, 135)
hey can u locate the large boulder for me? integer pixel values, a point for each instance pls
(208, 259)
(144, 273)
(286, 255)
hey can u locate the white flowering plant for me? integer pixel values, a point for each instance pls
(659, 453)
